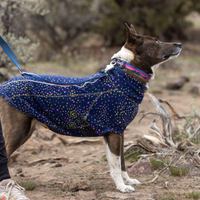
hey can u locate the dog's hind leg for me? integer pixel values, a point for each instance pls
(125, 175)
(113, 152)
(16, 127)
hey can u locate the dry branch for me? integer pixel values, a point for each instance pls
(172, 144)
(35, 162)
(166, 136)
(172, 109)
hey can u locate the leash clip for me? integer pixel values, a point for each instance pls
(119, 62)
(113, 62)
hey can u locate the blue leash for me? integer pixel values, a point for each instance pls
(12, 56)
(9, 52)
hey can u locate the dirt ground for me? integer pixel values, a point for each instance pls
(68, 168)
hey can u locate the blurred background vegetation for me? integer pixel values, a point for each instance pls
(49, 30)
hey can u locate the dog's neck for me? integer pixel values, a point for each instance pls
(128, 56)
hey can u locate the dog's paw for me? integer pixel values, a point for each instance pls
(126, 188)
(131, 181)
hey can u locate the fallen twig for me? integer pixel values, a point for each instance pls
(35, 162)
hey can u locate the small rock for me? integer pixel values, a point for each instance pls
(75, 184)
(177, 84)
(20, 175)
(56, 165)
(86, 195)
(19, 170)
(195, 89)
(118, 195)
(141, 168)
(185, 78)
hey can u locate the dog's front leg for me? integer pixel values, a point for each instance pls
(125, 175)
(113, 152)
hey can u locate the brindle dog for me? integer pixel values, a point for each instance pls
(143, 52)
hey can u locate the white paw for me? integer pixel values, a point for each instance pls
(126, 188)
(132, 182)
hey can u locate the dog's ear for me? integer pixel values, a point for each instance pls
(133, 29)
(131, 33)
(130, 29)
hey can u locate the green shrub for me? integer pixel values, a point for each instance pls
(176, 171)
(134, 155)
(157, 164)
(193, 195)
(28, 185)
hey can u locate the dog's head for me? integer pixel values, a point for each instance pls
(145, 52)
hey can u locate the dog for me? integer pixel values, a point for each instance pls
(115, 94)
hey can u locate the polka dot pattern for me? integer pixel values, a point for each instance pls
(93, 108)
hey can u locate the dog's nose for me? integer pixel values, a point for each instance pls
(178, 45)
